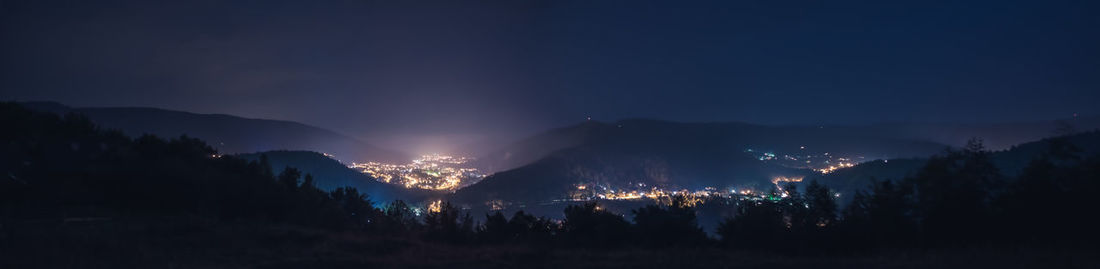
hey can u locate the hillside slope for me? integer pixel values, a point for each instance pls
(640, 154)
(874, 141)
(330, 174)
(229, 134)
(1010, 162)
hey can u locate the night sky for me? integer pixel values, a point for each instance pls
(416, 70)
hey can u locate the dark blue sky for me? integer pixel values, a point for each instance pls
(425, 68)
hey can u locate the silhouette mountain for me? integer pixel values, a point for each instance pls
(533, 148)
(667, 155)
(330, 174)
(1010, 162)
(229, 134)
(875, 141)
(995, 136)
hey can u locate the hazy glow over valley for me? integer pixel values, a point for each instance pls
(431, 172)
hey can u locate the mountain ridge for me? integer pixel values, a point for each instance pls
(1009, 162)
(670, 156)
(228, 133)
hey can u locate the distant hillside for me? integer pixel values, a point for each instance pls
(996, 136)
(668, 155)
(696, 155)
(331, 174)
(1013, 160)
(735, 136)
(533, 148)
(229, 134)
(874, 141)
(1010, 162)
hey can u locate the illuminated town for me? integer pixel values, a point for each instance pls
(588, 192)
(822, 163)
(449, 173)
(432, 172)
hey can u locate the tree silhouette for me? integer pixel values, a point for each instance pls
(356, 206)
(448, 224)
(822, 205)
(882, 217)
(399, 217)
(1059, 174)
(953, 194)
(670, 225)
(289, 178)
(757, 224)
(496, 229)
(532, 229)
(589, 224)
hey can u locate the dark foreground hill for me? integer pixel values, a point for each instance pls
(68, 169)
(229, 134)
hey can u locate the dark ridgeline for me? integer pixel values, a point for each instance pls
(675, 155)
(1010, 162)
(98, 197)
(874, 141)
(229, 134)
(667, 155)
